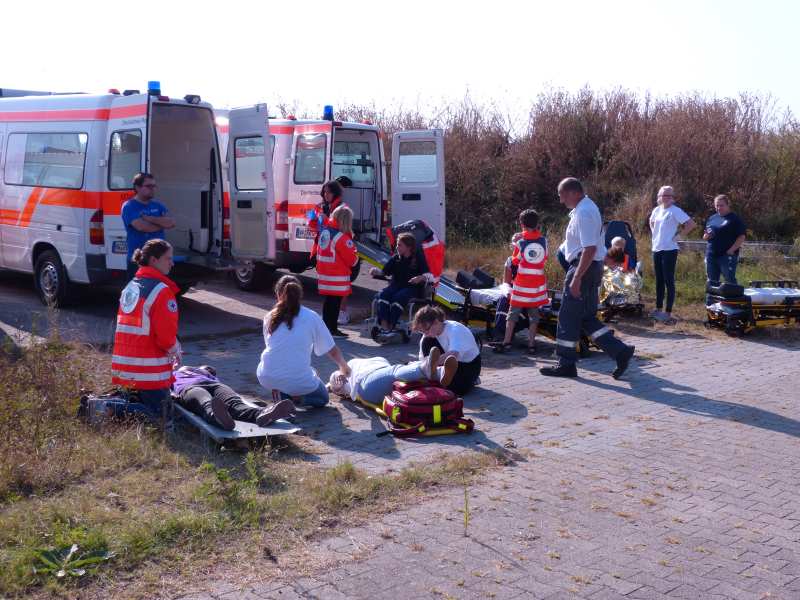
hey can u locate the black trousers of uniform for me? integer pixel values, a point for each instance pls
(330, 311)
(578, 314)
(466, 374)
(197, 399)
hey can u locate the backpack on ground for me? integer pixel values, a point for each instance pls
(422, 408)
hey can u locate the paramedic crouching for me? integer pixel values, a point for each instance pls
(144, 217)
(584, 251)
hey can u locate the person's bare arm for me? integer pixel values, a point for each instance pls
(737, 244)
(687, 227)
(587, 256)
(336, 356)
(144, 226)
(161, 222)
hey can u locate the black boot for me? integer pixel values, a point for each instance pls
(560, 371)
(622, 361)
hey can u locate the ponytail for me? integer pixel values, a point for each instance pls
(152, 249)
(289, 293)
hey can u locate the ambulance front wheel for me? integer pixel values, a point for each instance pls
(252, 276)
(51, 279)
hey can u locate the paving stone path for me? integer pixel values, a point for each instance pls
(679, 482)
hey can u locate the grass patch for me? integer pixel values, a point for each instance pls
(153, 509)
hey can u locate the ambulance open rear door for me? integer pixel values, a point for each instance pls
(418, 178)
(252, 195)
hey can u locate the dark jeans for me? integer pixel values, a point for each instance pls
(664, 263)
(580, 314)
(721, 266)
(392, 301)
(466, 374)
(197, 399)
(330, 311)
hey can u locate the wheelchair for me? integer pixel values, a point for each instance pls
(402, 329)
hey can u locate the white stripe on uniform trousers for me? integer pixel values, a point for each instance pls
(527, 290)
(141, 362)
(566, 343)
(130, 375)
(145, 328)
(599, 332)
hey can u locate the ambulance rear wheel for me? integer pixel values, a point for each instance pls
(252, 276)
(50, 278)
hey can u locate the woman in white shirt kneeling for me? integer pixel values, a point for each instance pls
(291, 333)
(667, 221)
(453, 339)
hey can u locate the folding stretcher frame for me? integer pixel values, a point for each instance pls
(738, 310)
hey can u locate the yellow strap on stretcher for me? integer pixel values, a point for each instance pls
(437, 413)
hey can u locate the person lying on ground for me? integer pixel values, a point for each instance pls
(371, 379)
(408, 271)
(199, 390)
(453, 339)
(291, 333)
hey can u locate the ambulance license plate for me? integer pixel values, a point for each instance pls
(119, 247)
(303, 233)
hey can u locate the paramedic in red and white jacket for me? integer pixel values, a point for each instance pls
(145, 343)
(320, 217)
(336, 257)
(530, 284)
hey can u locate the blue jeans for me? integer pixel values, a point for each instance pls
(378, 384)
(664, 262)
(721, 266)
(319, 397)
(391, 302)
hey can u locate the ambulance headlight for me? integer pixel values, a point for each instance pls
(192, 98)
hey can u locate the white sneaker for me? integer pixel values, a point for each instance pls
(343, 318)
(658, 315)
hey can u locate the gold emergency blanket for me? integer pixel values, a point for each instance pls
(619, 287)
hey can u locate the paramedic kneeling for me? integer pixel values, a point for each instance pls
(372, 379)
(145, 343)
(291, 333)
(453, 339)
(584, 251)
(144, 217)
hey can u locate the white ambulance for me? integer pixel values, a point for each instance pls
(67, 163)
(66, 168)
(307, 153)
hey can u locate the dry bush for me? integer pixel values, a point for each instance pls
(622, 145)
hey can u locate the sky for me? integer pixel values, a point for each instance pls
(407, 53)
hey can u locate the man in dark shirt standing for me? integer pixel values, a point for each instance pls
(144, 217)
(725, 234)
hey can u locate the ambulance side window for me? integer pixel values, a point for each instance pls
(417, 162)
(55, 160)
(309, 160)
(352, 159)
(124, 158)
(249, 163)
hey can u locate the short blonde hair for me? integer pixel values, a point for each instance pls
(666, 189)
(618, 242)
(344, 219)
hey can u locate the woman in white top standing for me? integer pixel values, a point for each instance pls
(452, 339)
(291, 333)
(667, 222)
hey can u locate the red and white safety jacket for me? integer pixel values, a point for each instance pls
(146, 342)
(321, 217)
(530, 283)
(336, 257)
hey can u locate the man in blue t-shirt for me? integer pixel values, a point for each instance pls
(725, 234)
(144, 218)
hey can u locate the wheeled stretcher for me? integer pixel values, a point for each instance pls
(738, 310)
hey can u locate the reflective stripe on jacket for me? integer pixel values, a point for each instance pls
(530, 283)
(336, 257)
(147, 328)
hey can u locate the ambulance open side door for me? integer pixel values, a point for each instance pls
(252, 189)
(418, 178)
